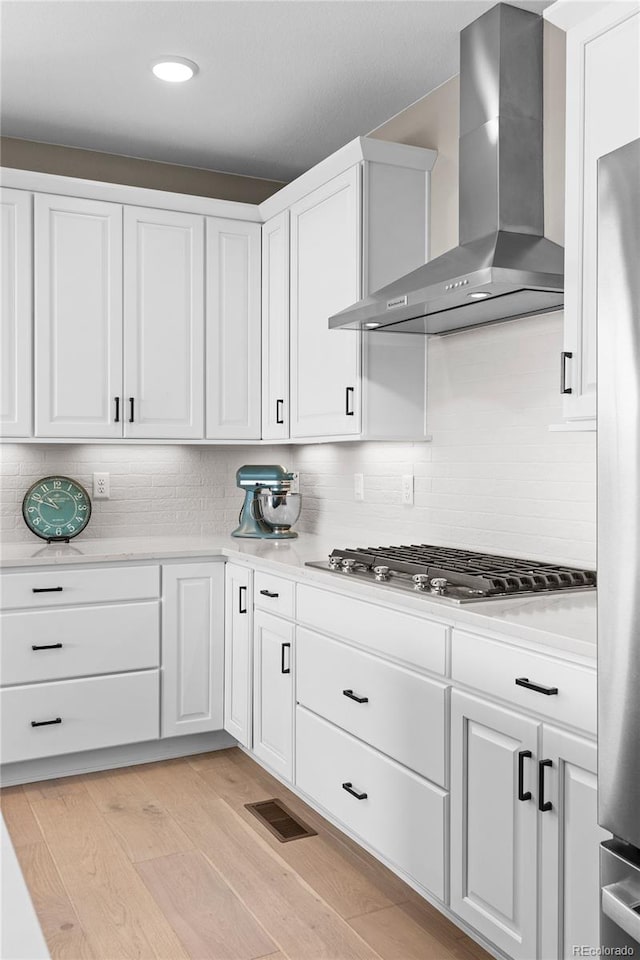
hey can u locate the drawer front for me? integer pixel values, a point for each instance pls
(402, 817)
(93, 713)
(64, 587)
(494, 667)
(414, 640)
(78, 641)
(273, 594)
(404, 714)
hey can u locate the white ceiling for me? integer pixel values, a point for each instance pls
(282, 83)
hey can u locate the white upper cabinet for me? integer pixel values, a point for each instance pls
(233, 330)
(15, 317)
(163, 324)
(603, 113)
(275, 327)
(325, 278)
(78, 317)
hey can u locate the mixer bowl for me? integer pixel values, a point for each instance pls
(280, 510)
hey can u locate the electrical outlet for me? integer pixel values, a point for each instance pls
(407, 489)
(358, 486)
(101, 486)
(294, 483)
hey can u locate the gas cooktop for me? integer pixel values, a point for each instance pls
(460, 576)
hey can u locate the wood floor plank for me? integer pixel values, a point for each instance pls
(18, 815)
(300, 922)
(61, 927)
(402, 932)
(329, 867)
(143, 827)
(453, 938)
(50, 789)
(118, 914)
(209, 919)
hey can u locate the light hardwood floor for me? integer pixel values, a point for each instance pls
(163, 861)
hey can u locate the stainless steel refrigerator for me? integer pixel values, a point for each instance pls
(619, 544)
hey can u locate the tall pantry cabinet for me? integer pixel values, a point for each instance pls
(15, 309)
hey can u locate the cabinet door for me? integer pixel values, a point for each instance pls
(192, 648)
(493, 832)
(16, 322)
(78, 317)
(273, 704)
(233, 330)
(325, 278)
(603, 113)
(164, 324)
(571, 841)
(238, 652)
(275, 328)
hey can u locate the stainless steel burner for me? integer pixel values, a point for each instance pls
(461, 576)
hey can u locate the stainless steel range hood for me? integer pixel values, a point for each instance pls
(504, 267)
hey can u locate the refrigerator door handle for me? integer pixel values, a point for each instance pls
(620, 903)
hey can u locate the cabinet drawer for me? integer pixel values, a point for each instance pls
(402, 816)
(404, 714)
(93, 712)
(273, 594)
(64, 587)
(415, 640)
(494, 667)
(92, 640)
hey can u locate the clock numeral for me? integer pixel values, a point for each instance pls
(57, 484)
(44, 487)
(37, 521)
(77, 496)
(58, 531)
(70, 527)
(82, 508)
(31, 509)
(47, 528)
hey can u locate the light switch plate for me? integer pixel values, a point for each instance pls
(407, 489)
(358, 486)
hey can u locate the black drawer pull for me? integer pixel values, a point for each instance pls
(354, 793)
(564, 356)
(45, 723)
(279, 410)
(131, 409)
(284, 646)
(525, 682)
(348, 402)
(267, 593)
(116, 419)
(522, 794)
(542, 805)
(352, 696)
(46, 589)
(46, 646)
(242, 600)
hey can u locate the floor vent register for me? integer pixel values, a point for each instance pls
(280, 821)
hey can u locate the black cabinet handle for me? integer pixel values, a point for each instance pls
(522, 794)
(542, 805)
(352, 696)
(279, 409)
(131, 409)
(354, 793)
(46, 646)
(525, 682)
(267, 593)
(242, 600)
(284, 646)
(46, 589)
(348, 407)
(116, 419)
(45, 723)
(564, 356)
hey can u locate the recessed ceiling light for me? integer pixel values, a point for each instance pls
(174, 69)
(478, 295)
(371, 325)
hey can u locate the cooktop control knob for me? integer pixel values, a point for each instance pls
(382, 573)
(420, 581)
(439, 585)
(348, 566)
(334, 563)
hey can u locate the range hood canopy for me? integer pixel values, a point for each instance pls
(504, 267)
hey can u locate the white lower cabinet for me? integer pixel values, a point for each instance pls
(273, 702)
(571, 840)
(192, 648)
(390, 808)
(238, 621)
(494, 823)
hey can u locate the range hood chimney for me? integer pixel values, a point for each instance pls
(504, 267)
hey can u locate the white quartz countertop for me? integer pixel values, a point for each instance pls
(564, 622)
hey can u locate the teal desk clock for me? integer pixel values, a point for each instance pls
(56, 508)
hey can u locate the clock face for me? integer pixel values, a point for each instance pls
(56, 508)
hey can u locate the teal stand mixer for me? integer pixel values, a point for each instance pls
(270, 508)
